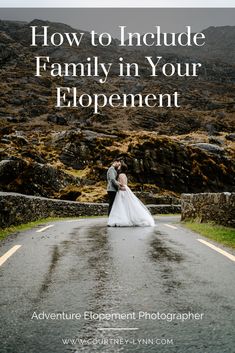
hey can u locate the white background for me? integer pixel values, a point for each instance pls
(117, 3)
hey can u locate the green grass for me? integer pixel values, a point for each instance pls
(22, 227)
(15, 229)
(221, 234)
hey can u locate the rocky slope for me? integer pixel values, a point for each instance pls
(64, 154)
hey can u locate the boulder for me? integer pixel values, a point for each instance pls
(10, 169)
(209, 147)
(230, 137)
(57, 119)
(215, 140)
(18, 139)
(34, 178)
(12, 119)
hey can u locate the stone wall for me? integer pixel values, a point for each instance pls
(18, 208)
(204, 207)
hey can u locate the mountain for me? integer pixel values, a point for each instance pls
(64, 153)
(219, 46)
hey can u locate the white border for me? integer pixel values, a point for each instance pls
(120, 3)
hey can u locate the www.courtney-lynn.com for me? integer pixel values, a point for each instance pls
(93, 67)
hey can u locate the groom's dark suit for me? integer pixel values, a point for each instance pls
(112, 186)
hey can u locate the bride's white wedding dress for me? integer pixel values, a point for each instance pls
(128, 210)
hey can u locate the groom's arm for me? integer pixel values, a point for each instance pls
(112, 178)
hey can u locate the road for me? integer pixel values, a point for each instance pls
(80, 265)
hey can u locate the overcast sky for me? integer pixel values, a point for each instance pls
(140, 20)
(119, 3)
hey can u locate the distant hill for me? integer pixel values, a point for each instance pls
(64, 153)
(220, 41)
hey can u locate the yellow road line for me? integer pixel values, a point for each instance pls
(10, 252)
(223, 252)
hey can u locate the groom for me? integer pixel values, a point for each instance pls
(113, 185)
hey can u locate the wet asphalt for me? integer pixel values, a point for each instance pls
(83, 265)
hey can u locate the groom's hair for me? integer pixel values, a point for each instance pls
(117, 159)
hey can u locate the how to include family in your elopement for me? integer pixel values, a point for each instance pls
(93, 66)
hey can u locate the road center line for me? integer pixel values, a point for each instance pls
(117, 328)
(42, 229)
(10, 252)
(223, 252)
(170, 226)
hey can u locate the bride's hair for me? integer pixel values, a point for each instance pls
(123, 168)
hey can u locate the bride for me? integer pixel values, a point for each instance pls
(127, 209)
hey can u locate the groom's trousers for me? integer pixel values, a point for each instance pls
(111, 195)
